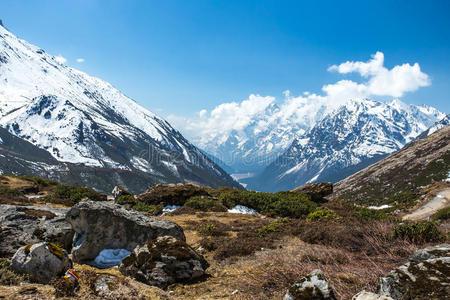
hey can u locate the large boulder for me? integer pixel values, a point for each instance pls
(23, 225)
(41, 262)
(317, 191)
(363, 295)
(164, 261)
(312, 287)
(105, 225)
(426, 275)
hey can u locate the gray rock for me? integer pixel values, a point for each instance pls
(23, 225)
(119, 191)
(41, 262)
(164, 261)
(312, 287)
(104, 225)
(426, 275)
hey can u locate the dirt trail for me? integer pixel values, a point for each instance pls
(441, 200)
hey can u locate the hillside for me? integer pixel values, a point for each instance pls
(400, 176)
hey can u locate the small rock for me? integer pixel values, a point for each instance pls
(164, 261)
(42, 261)
(317, 191)
(312, 287)
(104, 225)
(119, 191)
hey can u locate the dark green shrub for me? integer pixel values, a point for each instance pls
(364, 214)
(4, 191)
(38, 180)
(321, 214)
(148, 208)
(420, 232)
(204, 203)
(126, 199)
(76, 193)
(442, 214)
(283, 203)
(271, 227)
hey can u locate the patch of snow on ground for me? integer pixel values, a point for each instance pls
(109, 258)
(241, 209)
(448, 177)
(379, 207)
(170, 208)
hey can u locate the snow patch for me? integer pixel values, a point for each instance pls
(384, 206)
(170, 208)
(108, 258)
(241, 209)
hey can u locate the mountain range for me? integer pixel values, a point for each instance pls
(348, 139)
(82, 124)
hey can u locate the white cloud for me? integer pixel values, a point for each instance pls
(262, 111)
(382, 81)
(80, 60)
(60, 59)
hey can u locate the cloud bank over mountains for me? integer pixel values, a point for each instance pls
(377, 80)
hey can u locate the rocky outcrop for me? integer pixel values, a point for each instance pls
(312, 287)
(164, 261)
(426, 275)
(317, 191)
(23, 225)
(41, 262)
(104, 225)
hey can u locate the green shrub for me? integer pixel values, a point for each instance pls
(282, 203)
(403, 199)
(148, 208)
(420, 232)
(126, 199)
(76, 193)
(212, 229)
(321, 214)
(4, 191)
(204, 203)
(271, 227)
(38, 180)
(7, 275)
(442, 214)
(364, 214)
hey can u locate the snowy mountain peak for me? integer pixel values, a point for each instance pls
(349, 138)
(81, 119)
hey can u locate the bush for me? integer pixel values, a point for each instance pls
(4, 191)
(271, 227)
(7, 276)
(420, 232)
(126, 199)
(442, 214)
(204, 203)
(64, 287)
(321, 214)
(76, 193)
(212, 229)
(364, 214)
(38, 180)
(282, 203)
(148, 208)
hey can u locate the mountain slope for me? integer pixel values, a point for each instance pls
(83, 120)
(404, 172)
(350, 138)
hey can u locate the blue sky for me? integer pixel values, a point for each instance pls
(178, 57)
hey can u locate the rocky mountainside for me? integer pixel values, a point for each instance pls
(84, 121)
(402, 173)
(345, 141)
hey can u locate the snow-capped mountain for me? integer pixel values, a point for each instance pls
(435, 127)
(83, 120)
(348, 139)
(265, 136)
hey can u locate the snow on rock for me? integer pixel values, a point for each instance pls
(384, 206)
(108, 258)
(170, 208)
(241, 209)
